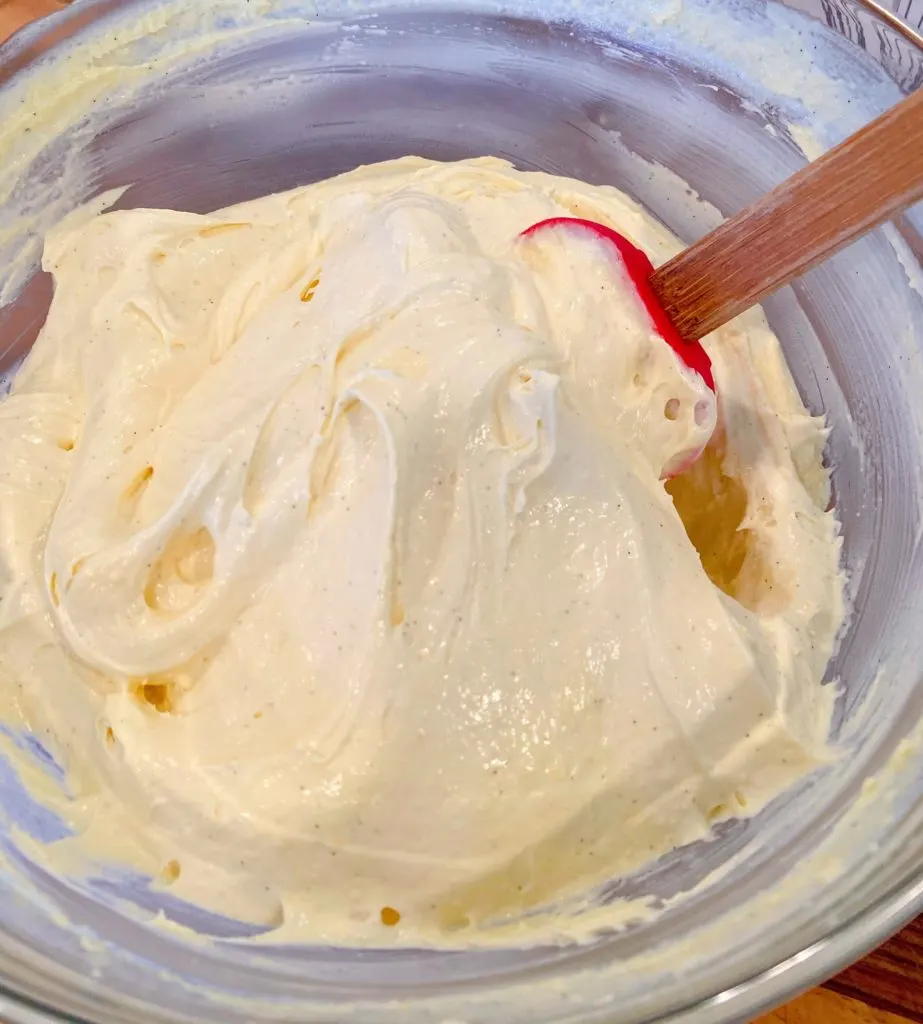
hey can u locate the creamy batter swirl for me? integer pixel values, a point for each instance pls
(339, 566)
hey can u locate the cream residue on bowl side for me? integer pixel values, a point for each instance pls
(75, 94)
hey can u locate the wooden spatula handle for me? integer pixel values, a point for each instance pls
(851, 189)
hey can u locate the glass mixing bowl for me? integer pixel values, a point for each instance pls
(199, 105)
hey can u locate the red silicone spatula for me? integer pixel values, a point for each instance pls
(855, 187)
(640, 270)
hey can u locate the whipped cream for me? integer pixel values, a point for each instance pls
(340, 568)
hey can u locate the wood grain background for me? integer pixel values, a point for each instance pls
(885, 988)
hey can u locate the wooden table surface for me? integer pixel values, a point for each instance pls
(885, 988)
